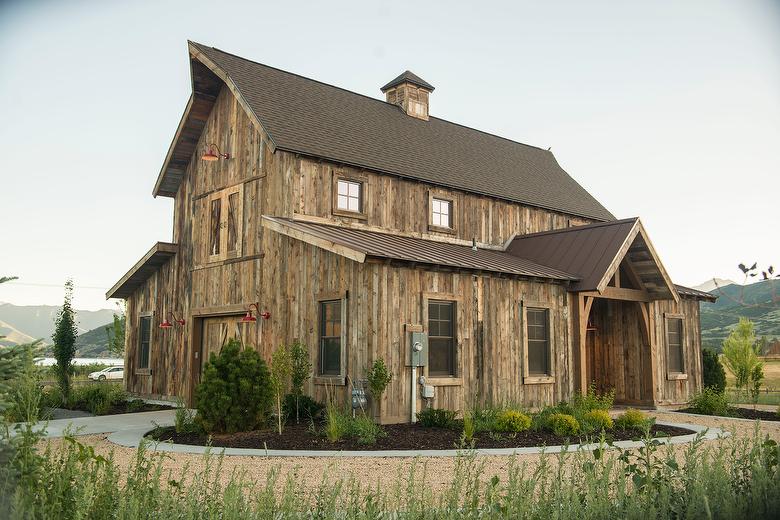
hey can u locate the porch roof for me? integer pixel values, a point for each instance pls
(594, 253)
(143, 269)
(358, 244)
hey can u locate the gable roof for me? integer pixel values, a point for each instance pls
(595, 252)
(305, 116)
(408, 77)
(358, 244)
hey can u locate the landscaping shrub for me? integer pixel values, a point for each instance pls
(564, 425)
(436, 418)
(336, 422)
(135, 405)
(485, 417)
(512, 421)
(301, 406)
(184, 419)
(364, 429)
(591, 400)
(469, 427)
(235, 392)
(633, 419)
(710, 402)
(597, 420)
(98, 399)
(378, 378)
(713, 373)
(25, 392)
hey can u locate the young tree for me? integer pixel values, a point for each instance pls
(378, 379)
(713, 374)
(300, 371)
(116, 333)
(740, 355)
(64, 338)
(280, 380)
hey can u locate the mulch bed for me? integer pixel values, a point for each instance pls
(745, 413)
(399, 437)
(119, 408)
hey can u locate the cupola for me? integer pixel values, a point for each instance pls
(411, 93)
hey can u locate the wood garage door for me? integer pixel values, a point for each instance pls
(217, 331)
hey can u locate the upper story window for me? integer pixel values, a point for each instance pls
(349, 196)
(441, 211)
(225, 223)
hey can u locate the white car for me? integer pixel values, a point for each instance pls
(108, 373)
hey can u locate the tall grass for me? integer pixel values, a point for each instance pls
(737, 480)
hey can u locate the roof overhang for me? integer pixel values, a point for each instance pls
(207, 81)
(362, 245)
(160, 253)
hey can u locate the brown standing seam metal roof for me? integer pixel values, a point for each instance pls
(305, 116)
(586, 251)
(418, 250)
(695, 293)
(160, 253)
(408, 77)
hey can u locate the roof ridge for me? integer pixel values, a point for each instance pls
(577, 228)
(485, 132)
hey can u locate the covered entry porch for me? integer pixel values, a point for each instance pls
(613, 304)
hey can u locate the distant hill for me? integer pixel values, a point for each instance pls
(94, 343)
(22, 323)
(712, 284)
(719, 318)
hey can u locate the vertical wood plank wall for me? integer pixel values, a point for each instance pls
(286, 276)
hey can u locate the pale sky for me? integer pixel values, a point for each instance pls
(665, 110)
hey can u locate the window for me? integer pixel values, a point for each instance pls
(440, 212)
(349, 196)
(225, 223)
(441, 338)
(330, 338)
(144, 339)
(538, 333)
(674, 341)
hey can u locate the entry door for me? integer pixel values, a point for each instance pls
(217, 331)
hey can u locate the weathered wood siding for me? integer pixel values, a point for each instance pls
(670, 391)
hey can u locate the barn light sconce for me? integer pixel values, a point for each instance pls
(166, 324)
(213, 153)
(250, 318)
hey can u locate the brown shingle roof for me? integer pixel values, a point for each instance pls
(695, 293)
(312, 118)
(410, 249)
(408, 77)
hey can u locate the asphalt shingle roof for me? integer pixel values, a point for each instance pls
(306, 116)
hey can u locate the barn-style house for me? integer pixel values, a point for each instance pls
(363, 226)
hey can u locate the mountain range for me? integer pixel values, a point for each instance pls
(26, 323)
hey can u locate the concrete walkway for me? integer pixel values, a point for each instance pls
(132, 437)
(107, 423)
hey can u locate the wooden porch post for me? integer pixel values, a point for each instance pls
(584, 304)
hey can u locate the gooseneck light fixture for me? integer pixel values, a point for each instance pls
(166, 324)
(250, 318)
(213, 153)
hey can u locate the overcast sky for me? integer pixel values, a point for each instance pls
(665, 110)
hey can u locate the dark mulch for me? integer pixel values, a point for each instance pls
(118, 408)
(744, 413)
(399, 437)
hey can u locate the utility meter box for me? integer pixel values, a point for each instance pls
(418, 342)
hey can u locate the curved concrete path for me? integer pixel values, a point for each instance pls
(107, 423)
(132, 437)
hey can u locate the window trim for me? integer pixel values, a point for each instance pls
(443, 196)
(223, 196)
(672, 375)
(364, 195)
(528, 378)
(145, 371)
(458, 336)
(340, 378)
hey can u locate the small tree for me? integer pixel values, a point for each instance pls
(281, 368)
(756, 378)
(300, 372)
(116, 333)
(378, 379)
(64, 338)
(740, 355)
(713, 374)
(235, 392)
